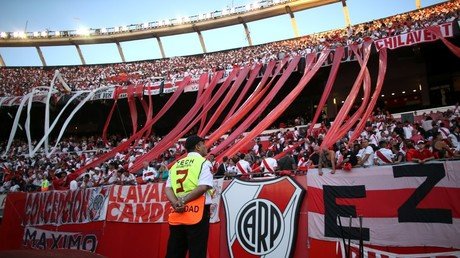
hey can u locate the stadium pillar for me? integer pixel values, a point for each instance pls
(40, 54)
(80, 54)
(418, 5)
(293, 22)
(160, 45)
(120, 51)
(200, 36)
(2, 63)
(246, 31)
(346, 14)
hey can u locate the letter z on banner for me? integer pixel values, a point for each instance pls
(408, 205)
(262, 217)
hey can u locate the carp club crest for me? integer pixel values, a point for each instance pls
(262, 217)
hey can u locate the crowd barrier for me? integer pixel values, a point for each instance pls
(406, 209)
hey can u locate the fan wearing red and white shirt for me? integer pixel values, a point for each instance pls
(243, 166)
(383, 155)
(269, 165)
(148, 173)
(303, 163)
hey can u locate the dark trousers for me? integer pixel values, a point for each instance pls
(192, 238)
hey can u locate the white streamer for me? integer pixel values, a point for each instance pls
(16, 122)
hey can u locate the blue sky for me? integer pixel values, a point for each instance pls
(70, 14)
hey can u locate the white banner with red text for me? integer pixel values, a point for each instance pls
(66, 207)
(414, 37)
(406, 205)
(148, 203)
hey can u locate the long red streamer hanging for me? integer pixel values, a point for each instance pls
(280, 108)
(244, 92)
(203, 119)
(327, 89)
(126, 144)
(453, 48)
(179, 130)
(375, 96)
(245, 108)
(260, 107)
(132, 107)
(109, 117)
(236, 85)
(349, 101)
(367, 92)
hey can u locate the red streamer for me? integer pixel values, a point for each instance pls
(327, 90)
(281, 107)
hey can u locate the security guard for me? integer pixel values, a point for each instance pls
(187, 189)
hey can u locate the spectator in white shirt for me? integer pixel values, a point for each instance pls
(365, 154)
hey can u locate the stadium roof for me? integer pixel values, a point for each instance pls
(197, 23)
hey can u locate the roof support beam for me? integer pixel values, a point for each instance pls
(293, 22)
(80, 54)
(246, 31)
(418, 4)
(200, 36)
(160, 45)
(40, 54)
(2, 63)
(346, 13)
(120, 51)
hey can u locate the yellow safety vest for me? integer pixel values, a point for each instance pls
(45, 185)
(185, 174)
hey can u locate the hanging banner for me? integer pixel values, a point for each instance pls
(148, 203)
(414, 37)
(2, 204)
(36, 238)
(66, 207)
(108, 93)
(262, 217)
(407, 205)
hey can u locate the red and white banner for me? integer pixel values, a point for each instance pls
(407, 205)
(37, 238)
(262, 217)
(148, 203)
(2, 204)
(414, 37)
(370, 252)
(66, 207)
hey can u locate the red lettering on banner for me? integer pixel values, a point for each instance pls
(142, 212)
(113, 206)
(113, 194)
(447, 29)
(153, 194)
(428, 36)
(156, 212)
(166, 212)
(143, 194)
(131, 196)
(164, 198)
(400, 42)
(410, 39)
(418, 35)
(388, 42)
(127, 215)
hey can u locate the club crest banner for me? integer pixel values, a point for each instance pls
(262, 217)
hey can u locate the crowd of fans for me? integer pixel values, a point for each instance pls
(385, 141)
(19, 81)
